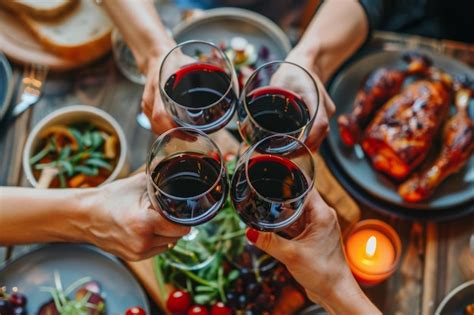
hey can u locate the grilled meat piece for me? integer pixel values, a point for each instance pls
(458, 146)
(401, 133)
(380, 86)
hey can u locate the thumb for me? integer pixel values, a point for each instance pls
(274, 245)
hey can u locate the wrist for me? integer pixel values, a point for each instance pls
(306, 56)
(346, 297)
(78, 214)
(156, 50)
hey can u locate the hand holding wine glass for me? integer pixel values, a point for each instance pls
(152, 104)
(187, 184)
(198, 86)
(316, 260)
(272, 104)
(288, 77)
(271, 182)
(121, 220)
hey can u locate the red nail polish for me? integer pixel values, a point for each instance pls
(252, 235)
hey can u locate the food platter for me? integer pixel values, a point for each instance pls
(36, 269)
(456, 191)
(456, 301)
(217, 25)
(6, 85)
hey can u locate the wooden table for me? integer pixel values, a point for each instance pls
(431, 257)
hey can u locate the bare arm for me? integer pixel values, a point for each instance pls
(117, 217)
(316, 260)
(339, 28)
(37, 215)
(141, 27)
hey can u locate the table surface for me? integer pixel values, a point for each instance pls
(432, 252)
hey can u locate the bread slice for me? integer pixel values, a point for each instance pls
(40, 9)
(82, 34)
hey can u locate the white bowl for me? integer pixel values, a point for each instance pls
(76, 114)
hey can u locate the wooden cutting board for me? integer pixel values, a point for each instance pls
(348, 211)
(20, 46)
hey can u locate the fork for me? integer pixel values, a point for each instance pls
(31, 87)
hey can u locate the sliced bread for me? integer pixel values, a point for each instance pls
(40, 9)
(82, 34)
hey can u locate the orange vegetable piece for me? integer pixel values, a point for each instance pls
(110, 147)
(77, 180)
(59, 132)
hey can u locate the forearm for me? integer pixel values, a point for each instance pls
(29, 215)
(346, 298)
(339, 28)
(141, 27)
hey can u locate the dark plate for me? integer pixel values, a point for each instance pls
(35, 269)
(456, 190)
(455, 302)
(222, 24)
(6, 85)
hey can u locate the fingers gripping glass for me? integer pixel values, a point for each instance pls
(269, 186)
(280, 97)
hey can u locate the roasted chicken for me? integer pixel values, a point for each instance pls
(400, 135)
(380, 86)
(458, 145)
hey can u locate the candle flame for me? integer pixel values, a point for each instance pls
(371, 246)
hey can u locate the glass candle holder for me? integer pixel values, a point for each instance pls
(373, 250)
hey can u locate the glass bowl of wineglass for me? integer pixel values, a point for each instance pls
(198, 86)
(270, 102)
(270, 185)
(187, 183)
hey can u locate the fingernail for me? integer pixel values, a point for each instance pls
(252, 235)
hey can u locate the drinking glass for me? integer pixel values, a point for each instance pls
(198, 86)
(186, 176)
(127, 64)
(270, 186)
(280, 97)
(187, 184)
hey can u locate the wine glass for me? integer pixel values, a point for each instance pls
(198, 86)
(127, 64)
(187, 183)
(271, 103)
(269, 186)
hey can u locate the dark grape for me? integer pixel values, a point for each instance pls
(231, 299)
(18, 299)
(239, 285)
(253, 289)
(20, 310)
(242, 301)
(6, 308)
(247, 275)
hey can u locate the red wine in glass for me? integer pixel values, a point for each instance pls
(270, 195)
(200, 95)
(271, 110)
(189, 188)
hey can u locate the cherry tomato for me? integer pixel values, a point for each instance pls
(198, 310)
(178, 301)
(135, 311)
(220, 309)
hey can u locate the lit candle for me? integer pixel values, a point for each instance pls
(373, 251)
